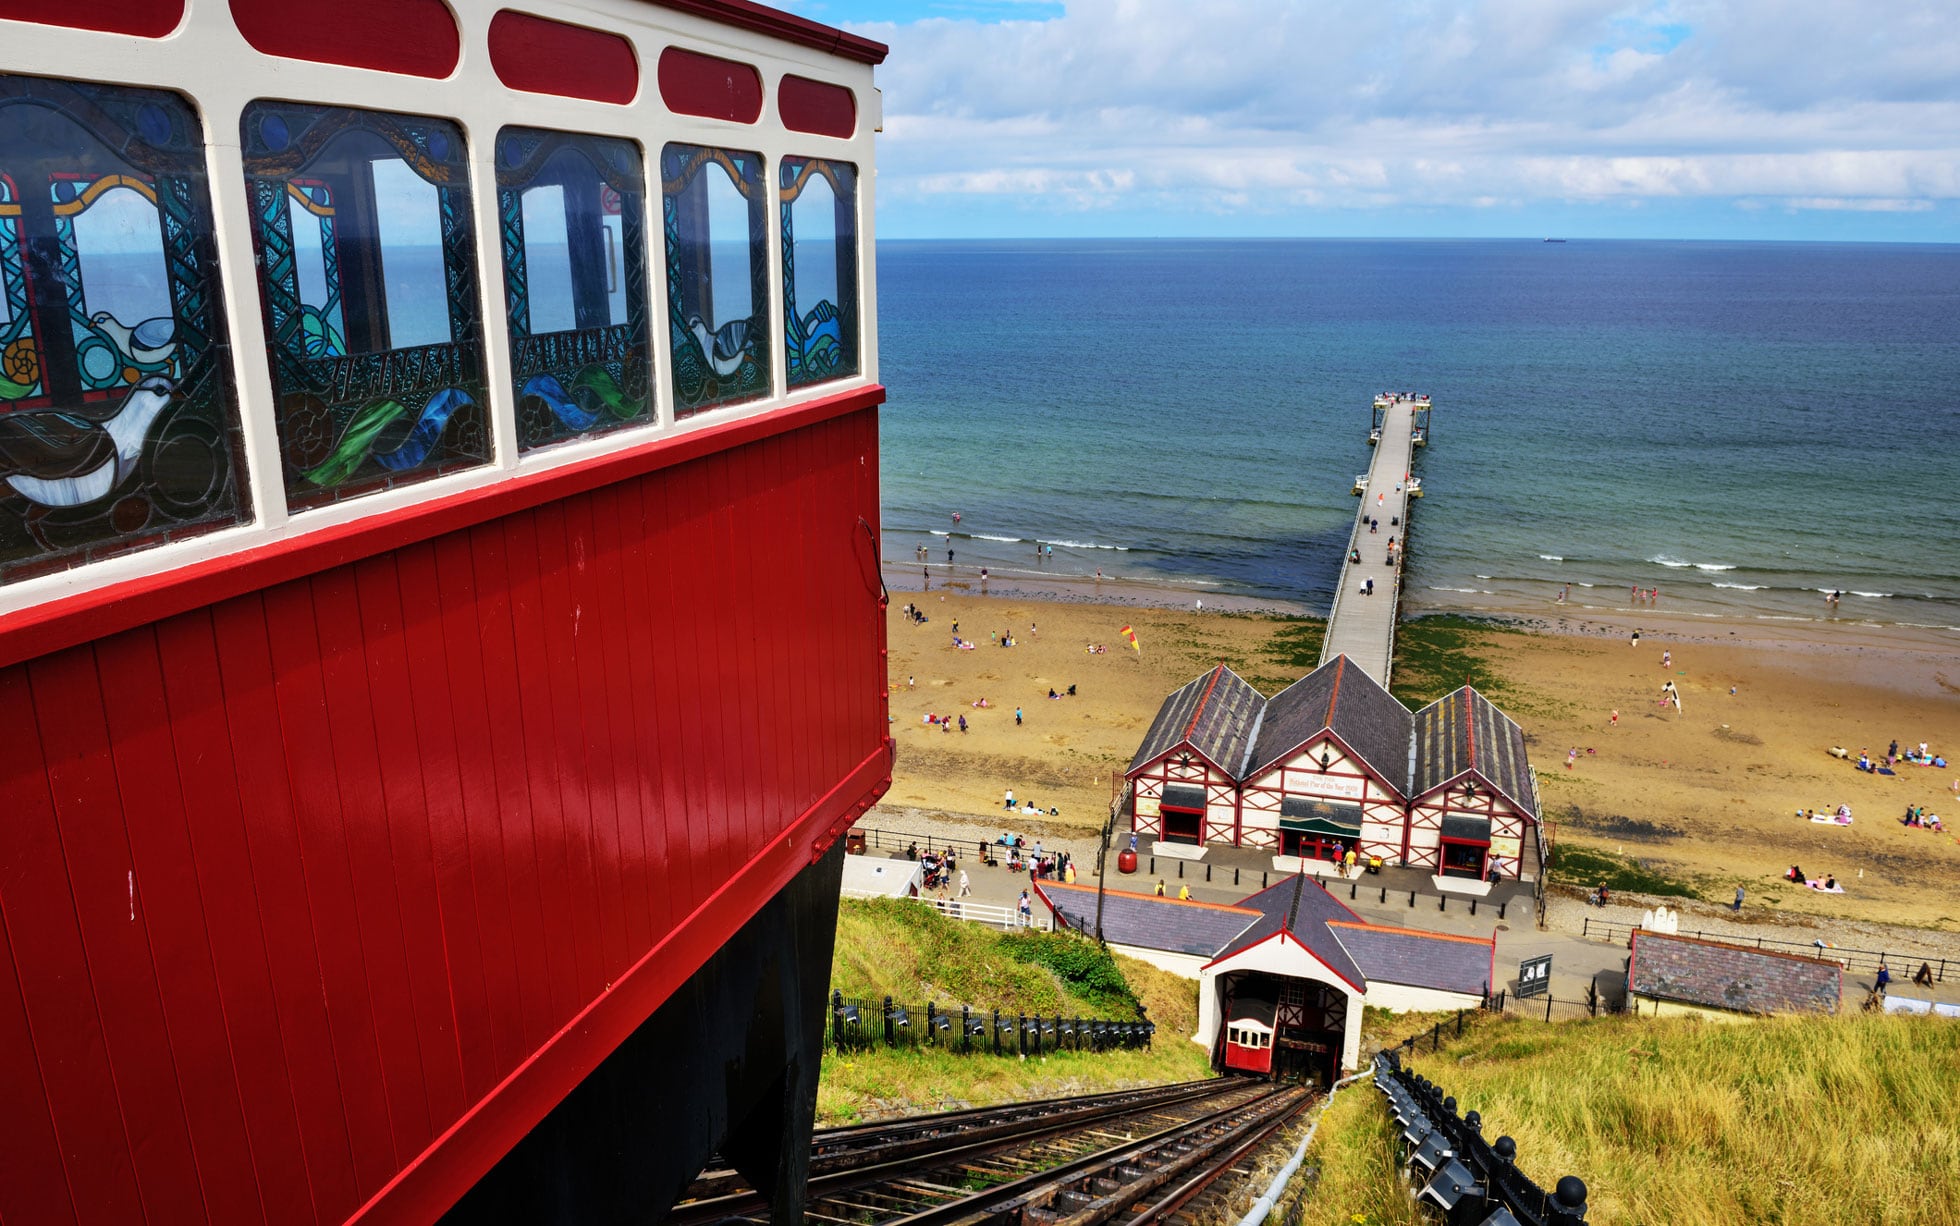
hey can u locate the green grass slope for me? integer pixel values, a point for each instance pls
(1846, 1121)
(915, 955)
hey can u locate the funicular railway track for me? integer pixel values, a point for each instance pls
(1134, 1157)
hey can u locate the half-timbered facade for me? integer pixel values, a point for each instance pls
(1474, 804)
(1335, 761)
(1330, 768)
(1184, 778)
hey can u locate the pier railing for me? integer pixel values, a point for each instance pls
(1900, 965)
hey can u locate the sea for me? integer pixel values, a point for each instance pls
(1742, 426)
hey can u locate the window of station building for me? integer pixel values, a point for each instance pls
(367, 271)
(717, 275)
(820, 300)
(118, 420)
(572, 211)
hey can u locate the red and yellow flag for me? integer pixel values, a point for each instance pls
(1131, 635)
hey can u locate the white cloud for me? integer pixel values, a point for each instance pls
(1261, 105)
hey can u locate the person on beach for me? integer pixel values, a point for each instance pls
(1667, 659)
(1738, 899)
(1636, 638)
(1017, 717)
(1614, 722)
(962, 725)
(1572, 757)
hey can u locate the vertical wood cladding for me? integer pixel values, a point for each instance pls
(291, 882)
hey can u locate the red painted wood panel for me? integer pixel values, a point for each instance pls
(414, 37)
(817, 107)
(231, 897)
(707, 85)
(144, 18)
(550, 57)
(70, 702)
(164, 891)
(257, 764)
(414, 839)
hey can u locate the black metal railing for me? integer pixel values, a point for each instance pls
(1901, 965)
(1468, 1179)
(857, 1024)
(1546, 1007)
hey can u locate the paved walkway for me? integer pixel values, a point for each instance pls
(1363, 627)
(1577, 962)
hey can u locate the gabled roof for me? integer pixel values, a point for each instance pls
(1146, 921)
(1214, 714)
(1418, 959)
(1735, 977)
(1302, 906)
(1463, 733)
(1341, 698)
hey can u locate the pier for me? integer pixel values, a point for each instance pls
(1362, 627)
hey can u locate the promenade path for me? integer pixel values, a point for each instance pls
(1363, 627)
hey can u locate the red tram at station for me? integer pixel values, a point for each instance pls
(441, 636)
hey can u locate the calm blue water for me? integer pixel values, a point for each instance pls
(1739, 425)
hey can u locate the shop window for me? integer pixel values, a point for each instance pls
(717, 275)
(572, 211)
(118, 422)
(820, 300)
(367, 269)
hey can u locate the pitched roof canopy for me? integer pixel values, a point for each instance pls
(1464, 734)
(1338, 697)
(1214, 715)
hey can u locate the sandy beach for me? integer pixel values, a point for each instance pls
(1708, 793)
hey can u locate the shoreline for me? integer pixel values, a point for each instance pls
(1658, 625)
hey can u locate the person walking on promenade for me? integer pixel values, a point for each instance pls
(1025, 911)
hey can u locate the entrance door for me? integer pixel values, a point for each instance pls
(1464, 859)
(1183, 826)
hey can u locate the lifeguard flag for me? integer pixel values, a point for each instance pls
(1131, 635)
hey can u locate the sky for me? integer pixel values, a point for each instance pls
(1751, 119)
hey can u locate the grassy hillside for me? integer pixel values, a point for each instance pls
(1826, 1120)
(916, 955)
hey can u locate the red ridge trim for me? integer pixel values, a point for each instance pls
(1334, 695)
(1198, 712)
(761, 19)
(49, 627)
(452, 1163)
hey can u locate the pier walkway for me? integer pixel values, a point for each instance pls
(1363, 627)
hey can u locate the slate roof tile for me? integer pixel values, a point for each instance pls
(1338, 697)
(1464, 732)
(1737, 977)
(1215, 714)
(1149, 922)
(1417, 959)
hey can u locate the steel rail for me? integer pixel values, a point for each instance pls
(858, 1168)
(1175, 1200)
(1020, 1199)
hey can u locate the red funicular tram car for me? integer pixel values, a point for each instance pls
(440, 620)
(1249, 1035)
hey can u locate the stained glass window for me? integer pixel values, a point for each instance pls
(118, 421)
(572, 210)
(820, 300)
(717, 275)
(367, 268)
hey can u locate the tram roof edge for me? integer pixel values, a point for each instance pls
(761, 19)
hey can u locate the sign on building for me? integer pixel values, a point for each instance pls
(1535, 975)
